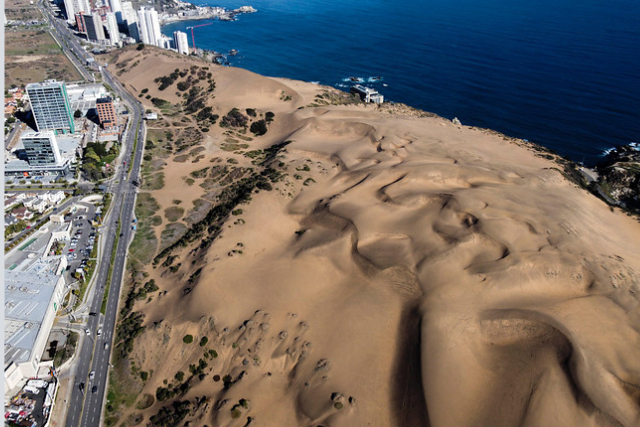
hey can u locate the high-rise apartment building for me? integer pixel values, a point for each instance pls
(73, 7)
(93, 25)
(80, 22)
(106, 112)
(50, 106)
(181, 42)
(115, 6)
(112, 27)
(127, 14)
(149, 26)
(41, 148)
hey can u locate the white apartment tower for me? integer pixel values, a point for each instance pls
(181, 42)
(76, 6)
(115, 6)
(112, 27)
(149, 26)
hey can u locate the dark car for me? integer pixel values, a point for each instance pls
(94, 389)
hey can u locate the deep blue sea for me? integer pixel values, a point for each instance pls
(562, 73)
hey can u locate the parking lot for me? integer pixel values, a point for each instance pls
(83, 239)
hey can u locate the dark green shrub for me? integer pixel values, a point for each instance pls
(188, 339)
(259, 128)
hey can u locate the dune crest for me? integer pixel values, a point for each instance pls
(405, 271)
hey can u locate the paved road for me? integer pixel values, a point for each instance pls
(70, 45)
(125, 194)
(85, 406)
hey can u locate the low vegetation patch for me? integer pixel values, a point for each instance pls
(173, 213)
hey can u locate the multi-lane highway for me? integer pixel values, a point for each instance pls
(125, 194)
(86, 402)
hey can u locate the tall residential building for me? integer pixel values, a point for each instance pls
(93, 24)
(181, 41)
(106, 112)
(149, 26)
(41, 148)
(80, 22)
(76, 6)
(115, 6)
(50, 106)
(127, 15)
(112, 27)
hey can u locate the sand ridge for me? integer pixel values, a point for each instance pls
(427, 274)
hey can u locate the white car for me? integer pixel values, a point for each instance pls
(92, 375)
(99, 331)
(87, 331)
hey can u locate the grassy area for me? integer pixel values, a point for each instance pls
(105, 298)
(21, 10)
(122, 391)
(153, 182)
(171, 233)
(33, 56)
(173, 213)
(144, 242)
(135, 145)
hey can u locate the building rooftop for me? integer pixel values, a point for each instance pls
(30, 251)
(27, 295)
(46, 83)
(22, 165)
(83, 97)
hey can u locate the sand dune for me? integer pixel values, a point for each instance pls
(430, 274)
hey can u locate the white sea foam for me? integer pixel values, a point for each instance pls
(633, 145)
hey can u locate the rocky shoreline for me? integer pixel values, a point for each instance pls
(183, 11)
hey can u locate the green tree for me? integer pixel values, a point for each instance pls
(77, 114)
(91, 156)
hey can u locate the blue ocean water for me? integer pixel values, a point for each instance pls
(561, 73)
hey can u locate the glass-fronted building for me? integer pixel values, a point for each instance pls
(41, 148)
(50, 106)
